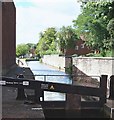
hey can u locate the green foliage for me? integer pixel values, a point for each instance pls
(110, 27)
(47, 41)
(21, 50)
(108, 53)
(51, 41)
(95, 24)
(68, 70)
(50, 52)
(92, 24)
(31, 45)
(66, 37)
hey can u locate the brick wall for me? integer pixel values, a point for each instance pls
(0, 38)
(80, 49)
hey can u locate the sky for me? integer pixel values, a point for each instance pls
(35, 16)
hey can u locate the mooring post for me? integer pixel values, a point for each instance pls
(103, 87)
(111, 94)
(20, 91)
(73, 105)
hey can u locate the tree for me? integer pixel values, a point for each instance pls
(66, 37)
(110, 28)
(31, 45)
(92, 24)
(47, 41)
(22, 49)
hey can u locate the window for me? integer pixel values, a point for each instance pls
(77, 47)
(82, 45)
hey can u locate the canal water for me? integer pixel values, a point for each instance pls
(42, 72)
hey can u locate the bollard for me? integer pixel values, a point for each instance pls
(111, 94)
(20, 91)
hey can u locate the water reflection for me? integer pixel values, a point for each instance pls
(42, 72)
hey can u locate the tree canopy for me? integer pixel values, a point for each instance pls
(66, 37)
(47, 41)
(22, 49)
(51, 41)
(92, 24)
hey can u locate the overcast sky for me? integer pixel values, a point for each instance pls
(34, 16)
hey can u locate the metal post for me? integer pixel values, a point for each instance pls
(103, 88)
(42, 95)
(20, 91)
(44, 78)
(111, 94)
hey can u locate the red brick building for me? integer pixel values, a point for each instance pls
(8, 40)
(80, 49)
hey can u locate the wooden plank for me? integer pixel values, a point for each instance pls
(73, 89)
(61, 104)
(50, 86)
(53, 104)
(92, 104)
